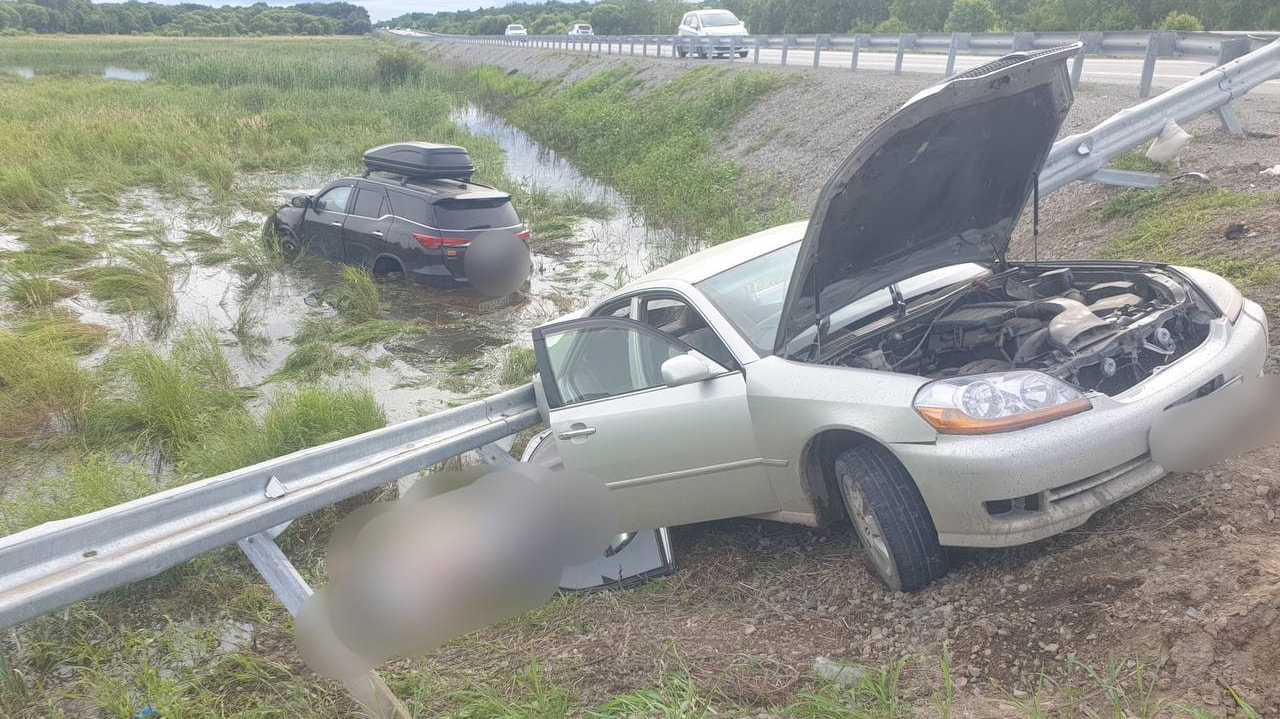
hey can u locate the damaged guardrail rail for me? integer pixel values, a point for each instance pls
(61, 562)
(1214, 47)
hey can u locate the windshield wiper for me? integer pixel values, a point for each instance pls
(899, 304)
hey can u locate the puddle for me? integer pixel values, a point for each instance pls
(106, 73)
(458, 358)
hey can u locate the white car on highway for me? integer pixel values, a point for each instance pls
(515, 30)
(711, 33)
(886, 361)
(581, 28)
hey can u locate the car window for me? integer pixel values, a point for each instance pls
(750, 295)
(334, 200)
(411, 208)
(473, 214)
(723, 18)
(675, 317)
(369, 202)
(589, 363)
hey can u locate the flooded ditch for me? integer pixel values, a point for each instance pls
(461, 338)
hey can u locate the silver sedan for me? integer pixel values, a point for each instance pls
(886, 362)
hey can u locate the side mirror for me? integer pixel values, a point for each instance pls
(300, 201)
(684, 369)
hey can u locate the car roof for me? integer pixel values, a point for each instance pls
(433, 190)
(714, 260)
(707, 11)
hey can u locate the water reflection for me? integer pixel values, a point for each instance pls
(107, 73)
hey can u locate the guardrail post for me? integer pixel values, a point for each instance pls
(292, 590)
(1228, 50)
(1148, 67)
(786, 44)
(853, 54)
(951, 56)
(1077, 65)
(633, 46)
(819, 42)
(904, 41)
(755, 56)
(1024, 41)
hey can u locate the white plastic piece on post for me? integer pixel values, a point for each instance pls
(1168, 144)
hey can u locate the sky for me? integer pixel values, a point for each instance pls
(378, 9)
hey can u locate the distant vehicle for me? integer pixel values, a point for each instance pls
(415, 212)
(581, 29)
(713, 24)
(516, 31)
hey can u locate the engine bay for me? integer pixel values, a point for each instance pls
(1097, 328)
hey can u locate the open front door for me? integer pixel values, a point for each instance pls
(670, 454)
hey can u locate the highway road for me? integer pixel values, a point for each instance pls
(1101, 70)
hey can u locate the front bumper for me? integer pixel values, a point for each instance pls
(1007, 489)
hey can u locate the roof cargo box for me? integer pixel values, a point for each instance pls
(421, 160)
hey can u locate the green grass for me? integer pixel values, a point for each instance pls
(519, 365)
(356, 298)
(43, 388)
(304, 417)
(1171, 223)
(363, 333)
(165, 401)
(35, 291)
(137, 280)
(314, 360)
(94, 482)
(61, 329)
(1136, 160)
(652, 143)
(57, 256)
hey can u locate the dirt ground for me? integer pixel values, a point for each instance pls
(1181, 582)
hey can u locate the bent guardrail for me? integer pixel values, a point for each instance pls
(1217, 48)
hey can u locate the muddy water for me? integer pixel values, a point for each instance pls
(256, 316)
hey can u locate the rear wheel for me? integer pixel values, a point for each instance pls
(897, 533)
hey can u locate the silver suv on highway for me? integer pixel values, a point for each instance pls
(886, 361)
(712, 33)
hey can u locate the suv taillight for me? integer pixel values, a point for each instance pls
(434, 242)
(524, 235)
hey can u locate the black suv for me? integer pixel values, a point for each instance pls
(415, 211)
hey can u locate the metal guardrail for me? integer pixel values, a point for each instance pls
(1217, 48)
(57, 563)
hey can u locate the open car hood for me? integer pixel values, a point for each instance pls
(941, 182)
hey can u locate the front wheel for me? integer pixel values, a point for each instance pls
(681, 53)
(890, 517)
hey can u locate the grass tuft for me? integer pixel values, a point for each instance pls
(304, 417)
(316, 359)
(43, 389)
(95, 482)
(165, 402)
(60, 328)
(36, 291)
(518, 366)
(138, 280)
(357, 298)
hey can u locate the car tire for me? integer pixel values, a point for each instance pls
(742, 53)
(681, 53)
(288, 243)
(899, 541)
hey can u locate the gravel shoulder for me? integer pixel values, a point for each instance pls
(1182, 578)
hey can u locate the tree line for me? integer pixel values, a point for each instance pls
(186, 19)
(778, 17)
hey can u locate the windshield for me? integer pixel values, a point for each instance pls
(720, 19)
(750, 295)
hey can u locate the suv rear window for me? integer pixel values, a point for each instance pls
(413, 209)
(474, 214)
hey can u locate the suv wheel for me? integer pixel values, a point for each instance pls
(680, 53)
(899, 540)
(289, 245)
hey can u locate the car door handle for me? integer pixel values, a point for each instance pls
(577, 432)
(376, 233)
(336, 224)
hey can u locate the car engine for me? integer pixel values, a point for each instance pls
(1098, 329)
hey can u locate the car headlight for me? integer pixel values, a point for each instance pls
(987, 403)
(1224, 295)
